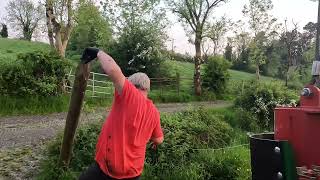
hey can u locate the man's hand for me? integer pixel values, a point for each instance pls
(89, 54)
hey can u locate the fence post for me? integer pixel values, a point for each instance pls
(93, 84)
(178, 82)
(77, 96)
(160, 80)
(242, 87)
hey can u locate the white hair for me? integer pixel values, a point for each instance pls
(140, 80)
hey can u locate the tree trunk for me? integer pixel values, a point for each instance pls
(27, 34)
(318, 36)
(258, 71)
(197, 63)
(60, 32)
(49, 11)
(58, 42)
(77, 96)
(215, 47)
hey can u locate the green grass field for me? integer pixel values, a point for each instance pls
(186, 70)
(10, 48)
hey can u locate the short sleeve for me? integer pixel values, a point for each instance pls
(129, 91)
(157, 131)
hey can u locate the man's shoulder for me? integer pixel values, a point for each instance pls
(153, 107)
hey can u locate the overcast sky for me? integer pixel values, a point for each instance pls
(300, 11)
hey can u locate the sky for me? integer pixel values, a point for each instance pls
(299, 11)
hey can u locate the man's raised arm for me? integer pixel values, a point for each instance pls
(108, 64)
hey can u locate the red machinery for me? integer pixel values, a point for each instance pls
(300, 126)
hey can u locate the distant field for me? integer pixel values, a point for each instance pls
(186, 70)
(10, 48)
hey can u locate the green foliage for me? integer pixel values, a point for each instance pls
(141, 31)
(228, 55)
(4, 31)
(246, 120)
(175, 159)
(83, 153)
(91, 30)
(221, 165)
(139, 50)
(180, 57)
(257, 55)
(36, 73)
(216, 74)
(183, 133)
(260, 99)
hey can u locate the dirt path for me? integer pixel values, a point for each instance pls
(22, 137)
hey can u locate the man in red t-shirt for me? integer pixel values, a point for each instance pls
(132, 122)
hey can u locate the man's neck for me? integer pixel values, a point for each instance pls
(144, 93)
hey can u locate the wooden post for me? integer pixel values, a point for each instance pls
(77, 96)
(178, 82)
(93, 84)
(242, 87)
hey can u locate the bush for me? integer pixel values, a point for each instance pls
(260, 99)
(175, 159)
(220, 165)
(246, 120)
(36, 73)
(216, 74)
(83, 151)
(185, 132)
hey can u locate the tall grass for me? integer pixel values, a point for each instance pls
(32, 105)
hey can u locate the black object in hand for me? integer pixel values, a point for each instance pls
(89, 54)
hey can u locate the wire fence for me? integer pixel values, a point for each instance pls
(213, 149)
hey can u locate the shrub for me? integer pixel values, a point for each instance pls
(246, 120)
(260, 99)
(83, 153)
(220, 165)
(175, 159)
(216, 74)
(185, 132)
(36, 73)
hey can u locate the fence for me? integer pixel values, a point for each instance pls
(99, 85)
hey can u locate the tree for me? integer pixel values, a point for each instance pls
(257, 56)
(228, 54)
(317, 53)
(216, 31)
(318, 32)
(290, 39)
(4, 31)
(140, 27)
(195, 14)
(91, 28)
(25, 16)
(262, 25)
(59, 15)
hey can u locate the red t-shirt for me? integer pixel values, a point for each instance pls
(132, 121)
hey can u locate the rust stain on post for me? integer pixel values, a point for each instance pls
(77, 96)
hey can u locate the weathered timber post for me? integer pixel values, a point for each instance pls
(77, 96)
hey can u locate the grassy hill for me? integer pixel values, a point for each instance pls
(10, 48)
